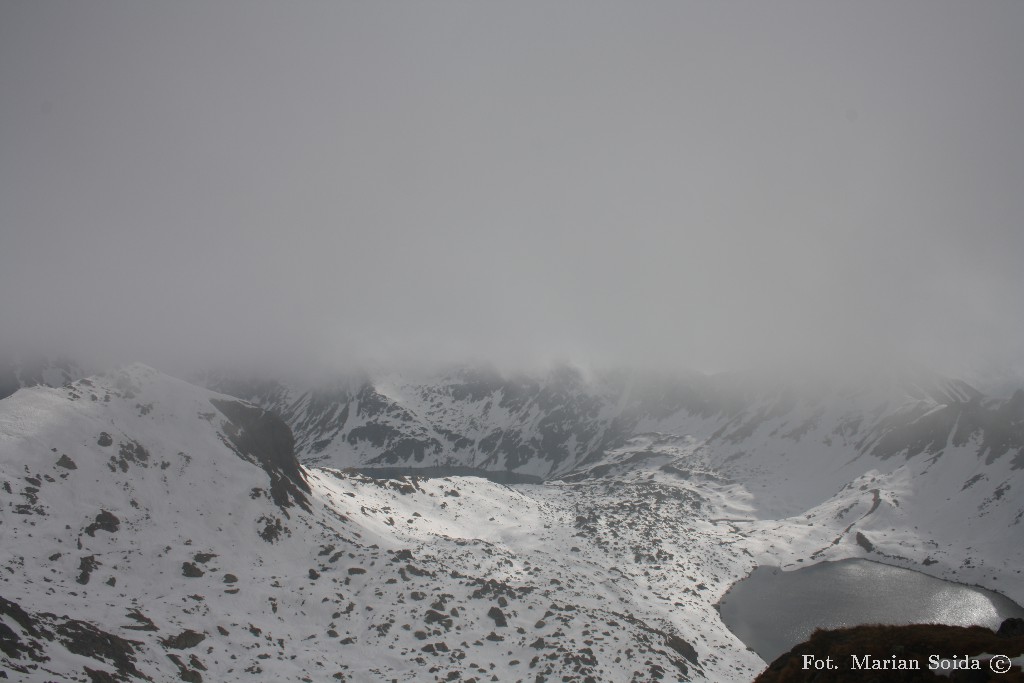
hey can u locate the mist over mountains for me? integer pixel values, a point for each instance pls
(494, 342)
(671, 187)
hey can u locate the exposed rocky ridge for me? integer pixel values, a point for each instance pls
(265, 440)
(28, 642)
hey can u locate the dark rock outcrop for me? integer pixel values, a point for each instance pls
(22, 643)
(105, 521)
(263, 439)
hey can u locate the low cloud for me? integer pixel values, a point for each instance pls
(339, 186)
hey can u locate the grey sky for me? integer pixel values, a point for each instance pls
(698, 184)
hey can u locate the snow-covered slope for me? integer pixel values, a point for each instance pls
(919, 514)
(153, 529)
(923, 473)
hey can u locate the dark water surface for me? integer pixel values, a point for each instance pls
(772, 610)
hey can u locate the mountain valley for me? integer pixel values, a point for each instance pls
(155, 529)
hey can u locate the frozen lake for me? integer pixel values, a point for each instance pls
(772, 610)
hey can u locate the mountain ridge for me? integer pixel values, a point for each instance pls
(552, 426)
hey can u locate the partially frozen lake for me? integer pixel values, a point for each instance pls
(772, 610)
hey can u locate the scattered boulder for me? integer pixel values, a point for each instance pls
(105, 521)
(190, 570)
(85, 568)
(144, 623)
(434, 617)
(272, 529)
(498, 616)
(184, 640)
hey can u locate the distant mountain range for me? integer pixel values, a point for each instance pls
(563, 423)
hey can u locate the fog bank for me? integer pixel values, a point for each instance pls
(683, 185)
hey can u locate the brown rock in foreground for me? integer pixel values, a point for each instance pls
(866, 654)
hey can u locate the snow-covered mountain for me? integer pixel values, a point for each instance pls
(466, 418)
(757, 429)
(903, 466)
(154, 529)
(150, 528)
